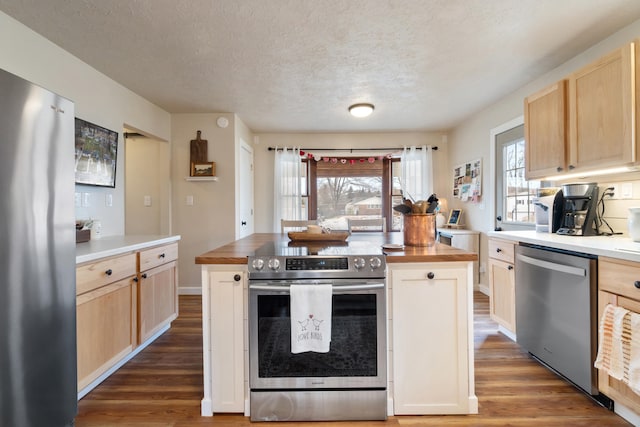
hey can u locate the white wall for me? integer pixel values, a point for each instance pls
(263, 159)
(471, 139)
(210, 221)
(97, 98)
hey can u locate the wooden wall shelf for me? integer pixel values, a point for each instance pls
(201, 178)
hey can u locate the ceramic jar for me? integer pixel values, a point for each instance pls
(633, 224)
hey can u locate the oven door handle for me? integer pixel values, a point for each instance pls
(368, 286)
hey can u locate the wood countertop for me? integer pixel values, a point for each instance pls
(237, 252)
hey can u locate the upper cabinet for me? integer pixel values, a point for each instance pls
(586, 122)
(545, 130)
(601, 112)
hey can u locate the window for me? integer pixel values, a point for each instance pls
(349, 189)
(514, 198)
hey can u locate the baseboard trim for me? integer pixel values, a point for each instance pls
(190, 290)
(484, 289)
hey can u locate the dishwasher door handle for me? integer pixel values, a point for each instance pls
(553, 266)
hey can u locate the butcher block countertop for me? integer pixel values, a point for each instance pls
(237, 252)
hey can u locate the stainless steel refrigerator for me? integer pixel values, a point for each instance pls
(38, 385)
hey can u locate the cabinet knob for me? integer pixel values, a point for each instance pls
(571, 167)
(637, 284)
(135, 279)
(237, 277)
(430, 275)
(144, 275)
(498, 250)
(243, 223)
(510, 267)
(559, 169)
(161, 256)
(109, 272)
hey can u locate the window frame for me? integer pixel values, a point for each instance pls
(312, 190)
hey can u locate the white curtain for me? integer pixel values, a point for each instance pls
(416, 180)
(286, 180)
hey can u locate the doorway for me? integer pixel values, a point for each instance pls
(147, 185)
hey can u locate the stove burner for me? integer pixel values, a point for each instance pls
(278, 261)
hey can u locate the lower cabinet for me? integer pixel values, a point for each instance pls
(226, 355)
(119, 307)
(158, 299)
(616, 286)
(502, 284)
(106, 331)
(431, 327)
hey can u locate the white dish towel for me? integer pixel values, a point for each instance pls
(310, 307)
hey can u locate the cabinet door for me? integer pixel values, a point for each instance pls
(601, 112)
(430, 341)
(106, 328)
(502, 293)
(228, 330)
(545, 130)
(158, 299)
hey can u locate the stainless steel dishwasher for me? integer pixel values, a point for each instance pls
(556, 310)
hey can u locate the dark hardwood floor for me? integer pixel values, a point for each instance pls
(162, 386)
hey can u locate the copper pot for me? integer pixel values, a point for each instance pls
(420, 229)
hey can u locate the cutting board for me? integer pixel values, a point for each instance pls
(199, 149)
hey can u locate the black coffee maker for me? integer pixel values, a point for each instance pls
(579, 210)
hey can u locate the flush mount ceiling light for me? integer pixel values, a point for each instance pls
(361, 110)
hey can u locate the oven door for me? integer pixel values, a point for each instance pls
(357, 355)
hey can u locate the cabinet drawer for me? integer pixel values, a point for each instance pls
(153, 257)
(502, 250)
(619, 277)
(107, 270)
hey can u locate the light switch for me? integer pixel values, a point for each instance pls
(626, 190)
(86, 200)
(147, 200)
(189, 200)
(108, 200)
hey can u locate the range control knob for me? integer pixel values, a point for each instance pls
(359, 263)
(274, 263)
(258, 264)
(375, 263)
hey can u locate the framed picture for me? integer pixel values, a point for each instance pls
(454, 216)
(203, 169)
(96, 154)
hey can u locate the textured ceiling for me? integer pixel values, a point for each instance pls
(296, 65)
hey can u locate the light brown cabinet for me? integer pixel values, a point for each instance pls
(121, 302)
(545, 130)
(585, 123)
(502, 283)
(616, 285)
(601, 112)
(158, 289)
(106, 315)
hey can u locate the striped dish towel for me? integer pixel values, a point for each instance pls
(610, 349)
(634, 352)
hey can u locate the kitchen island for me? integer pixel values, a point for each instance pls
(429, 299)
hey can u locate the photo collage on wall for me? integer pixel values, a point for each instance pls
(467, 181)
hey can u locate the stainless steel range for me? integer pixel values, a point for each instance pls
(349, 381)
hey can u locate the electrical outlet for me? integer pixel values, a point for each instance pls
(626, 190)
(189, 200)
(78, 200)
(108, 200)
(615, 191)
(86, 200)
(147, 200)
